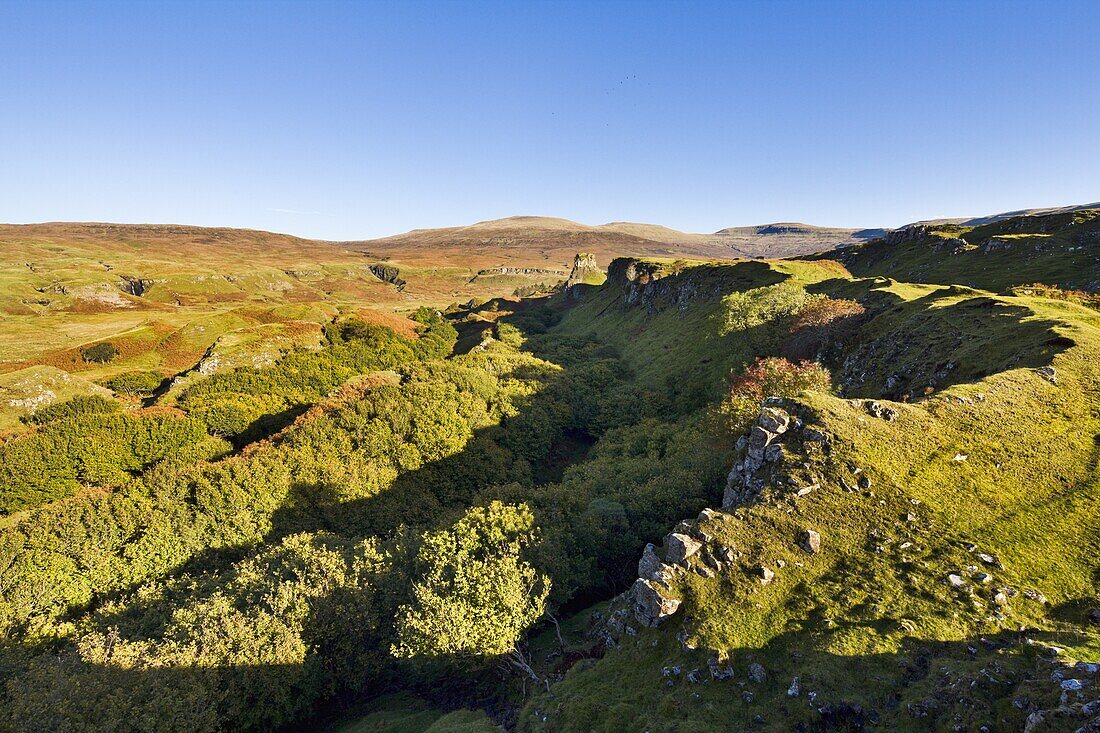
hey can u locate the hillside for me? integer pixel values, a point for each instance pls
(853, 491)
(991, 218)
(1060, 249)
(543, 241)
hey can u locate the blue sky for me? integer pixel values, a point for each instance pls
(352, 120)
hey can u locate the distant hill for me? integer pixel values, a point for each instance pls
(536, 239)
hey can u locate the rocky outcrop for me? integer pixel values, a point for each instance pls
(765, 453)
(388, 274)
(519, 271)
(585, 272)
(136, 285)
(645, 284)
(652, 602)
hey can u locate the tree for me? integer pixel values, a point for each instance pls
(101, 353)
(476, 596)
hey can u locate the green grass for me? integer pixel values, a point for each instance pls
(871, 620)
(1059, 250)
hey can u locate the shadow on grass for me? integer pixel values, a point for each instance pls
(346, 660)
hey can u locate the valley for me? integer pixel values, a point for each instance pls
(537, 476)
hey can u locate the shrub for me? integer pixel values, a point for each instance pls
(1081, 297)
(135, 382)
(100, 353)
(770, 377)
(100, 448)
(75, 407)
(477, 596)
(760, 306)
(823, 321)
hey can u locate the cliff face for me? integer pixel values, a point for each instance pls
(585, 272)
(656, 287)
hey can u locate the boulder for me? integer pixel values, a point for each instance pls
(717, 671)
(651, 605)
(765, 574)
(810, 541)
(759, 439)
(650, 565)
(708, 515)
(757, 673)
(774, 420)
(680, 547)
(881, 411)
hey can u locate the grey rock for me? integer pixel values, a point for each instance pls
(955, 581)
(649, 566)
(718, 671)
(759, 439)
(774, 420)
(708, 515)
(757, 673)
(814, 435)
(680, 547)
(773, 453)
(764, 574)
(651, 605)
(881, 411)
(795, 688)
(810, 541)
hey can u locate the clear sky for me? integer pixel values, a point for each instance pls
(352, 120)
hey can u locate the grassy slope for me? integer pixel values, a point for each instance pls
(880, 627)
(1060, 249)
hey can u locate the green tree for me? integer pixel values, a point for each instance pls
(477, 595)
(100, 353)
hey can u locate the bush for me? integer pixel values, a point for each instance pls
(821, 323)
(98, 448)
(1089, 300)
(135, 382)
(75, 407)
(770, 377)
(100, 353)
(476, 596)
(763, 306)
